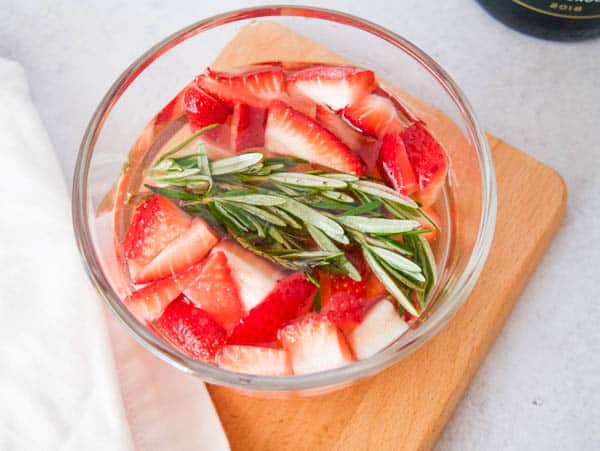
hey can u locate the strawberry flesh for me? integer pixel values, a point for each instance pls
(149, 302)
(374, 115)
(334, 86)
(247, 127)
(155, 223)
(428, 160)
(192, 330)
(255, 88)
(290, 298)
(188, 248)
(215, 291)
(314, 344)
(255, 360)
(394, 165)
(201, 109)
(340, 128)
(290, 132)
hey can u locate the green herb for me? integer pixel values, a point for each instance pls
(304, 221)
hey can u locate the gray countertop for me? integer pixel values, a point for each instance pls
(539, 389)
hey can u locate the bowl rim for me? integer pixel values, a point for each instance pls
(335, 377)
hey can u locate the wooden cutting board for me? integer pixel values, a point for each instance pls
(404, 407)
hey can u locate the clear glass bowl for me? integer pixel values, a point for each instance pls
(468, 206)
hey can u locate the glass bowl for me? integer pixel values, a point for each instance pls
(468, 206)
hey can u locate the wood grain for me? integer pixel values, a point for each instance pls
(404, 407)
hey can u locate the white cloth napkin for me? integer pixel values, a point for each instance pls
(70, 377)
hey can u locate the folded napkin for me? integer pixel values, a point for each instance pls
(70, 377)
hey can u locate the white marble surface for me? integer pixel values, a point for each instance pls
(539, 389)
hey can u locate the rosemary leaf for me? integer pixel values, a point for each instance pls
(263, 214)
(383, 192)
(382, 226)
(311, 216)
(388, 282)
(235, 164)
(185, 142)
(173, 193)
(263, 200)
(307, 180)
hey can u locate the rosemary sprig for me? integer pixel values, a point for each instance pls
(304, 221)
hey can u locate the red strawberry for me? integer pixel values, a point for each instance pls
(334, 86)
(247, 127)
(428, 159)
(192, 330)
(347, 300)
(340, 128)
(380, 328)
(290, 132)
(374, 115)
(202, 109)
(215, 291)
(188, 248)
(314, 344)
(290, 298)
(155, 223)
(394, 166)
(149, 302)
(255, 360)
(256, 88)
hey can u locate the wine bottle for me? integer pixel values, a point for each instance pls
(564, 20)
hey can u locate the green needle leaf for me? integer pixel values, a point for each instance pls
(378, 225)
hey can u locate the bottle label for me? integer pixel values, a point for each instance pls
(567, 9)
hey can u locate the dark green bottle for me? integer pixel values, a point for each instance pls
(564, 20)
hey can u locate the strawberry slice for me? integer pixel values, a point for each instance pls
(340, 128)
(192, 330)
(394, 166)
(290, 298)
(314, 344)
(202, 109)
(188, 248)
(215, 291)
(149, 302)
(374, 115)
(344, 301)
(290, 132)
(255, 276)
(247, 127)
(381, 327)
(255, 88)
(255, 360)
(155, 223)
(428, 160)
(334, 86)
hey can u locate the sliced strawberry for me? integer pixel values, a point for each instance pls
(247, 127)
(290, 132)
(374, 115)
(255, 276)
(302, 104)
(215, 291)
(394, 165)
(155, 223)
(255, 360)
(340, 128)
(334, 86)
(188, 248)
(435, 217)
(290, 298)
(202, 109)
(149, 302)
(428, 159)
(314, 344)
(256, 88)
(192, 330)
(346, 301)
(381, 327)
